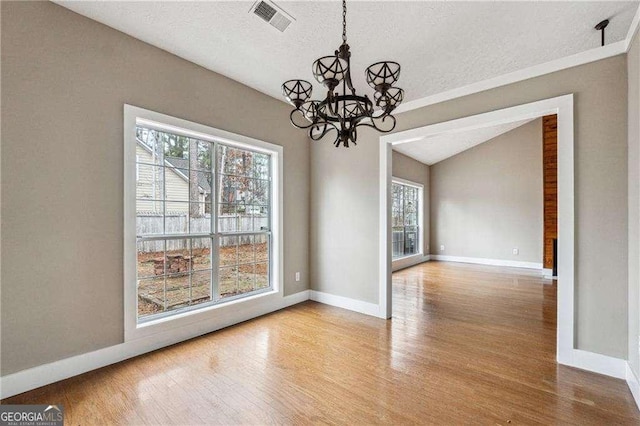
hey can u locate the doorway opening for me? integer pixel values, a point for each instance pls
(562, 106)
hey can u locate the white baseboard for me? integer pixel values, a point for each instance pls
(366, 308)
(594, 362)
(45, 374)
(633, 383)
(31, 378)
(408, 261)
(481, 261)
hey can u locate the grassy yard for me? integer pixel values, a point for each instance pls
(242, 269)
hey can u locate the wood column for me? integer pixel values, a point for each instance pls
(550, 182)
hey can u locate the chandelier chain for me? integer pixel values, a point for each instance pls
(344, 21)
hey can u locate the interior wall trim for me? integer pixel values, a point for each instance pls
(633, 383)
(566, 353)
(592, 55)
(633, 29)
(406, 262)
(359, 306)
(494, 262)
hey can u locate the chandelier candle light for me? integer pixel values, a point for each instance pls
(342, 110)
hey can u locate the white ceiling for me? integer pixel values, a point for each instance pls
(435, 148)
(440, 45)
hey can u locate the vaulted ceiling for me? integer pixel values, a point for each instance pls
(435, 148)
(440, 45)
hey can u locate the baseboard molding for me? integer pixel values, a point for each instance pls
(409, 261)
(360, 306)
(493, 262)
(591, 361)
(633, 383)
(32, 378)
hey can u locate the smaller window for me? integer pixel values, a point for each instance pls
(406, 219)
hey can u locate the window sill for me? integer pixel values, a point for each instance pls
(220, 314)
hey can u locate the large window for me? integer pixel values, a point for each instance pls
(203, 221)
(405, 219)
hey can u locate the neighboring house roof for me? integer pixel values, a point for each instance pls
(176, 165)
(183, 163)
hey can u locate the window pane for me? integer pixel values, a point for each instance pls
(150, 222)
(397, 238)
(232, 189)
(176, 219)
(246, 252)
(178, 291)
(150, 296)
(176, 147)
(246, 278)
(150, 183)
(228, 251)
(200, 287)
(199, 221)
(149, 148)
(177, 184)
(201, 253)
(200, 185)
(258, 192)
(244, 190)
(150, 258)
(228, 285)
(178, 256)
(235, 161)
(411, 240)
(262, 275)
(262, 248)
(261, 166)
(204, 151)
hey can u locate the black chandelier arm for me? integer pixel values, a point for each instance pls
(299, 126)
(321, 129)
(380, 119)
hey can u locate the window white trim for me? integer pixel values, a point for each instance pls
(216, 316)
(398, 262)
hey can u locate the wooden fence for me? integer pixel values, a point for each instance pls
(179, 224)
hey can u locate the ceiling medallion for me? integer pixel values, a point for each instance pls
(343, 111)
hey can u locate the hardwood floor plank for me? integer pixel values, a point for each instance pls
(468, 344)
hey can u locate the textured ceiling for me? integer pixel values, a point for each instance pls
(440, 45)
(436, 148)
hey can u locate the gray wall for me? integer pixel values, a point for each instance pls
(65, 79)
(407, 168)
(633, 66)
(488, 200)
(344, 218)
(345, 199)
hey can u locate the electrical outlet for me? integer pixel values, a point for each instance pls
(297, 276)
(442, 248)
(516, 251)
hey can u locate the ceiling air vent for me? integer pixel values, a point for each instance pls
(272, 14)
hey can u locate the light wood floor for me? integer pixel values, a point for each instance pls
(467, 345)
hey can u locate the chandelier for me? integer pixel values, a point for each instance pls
(342, 110)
